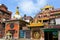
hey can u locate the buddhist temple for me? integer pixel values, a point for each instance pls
(45, 24)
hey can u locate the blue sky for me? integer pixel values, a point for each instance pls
(29, 7)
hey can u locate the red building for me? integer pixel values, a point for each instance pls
(4, 15)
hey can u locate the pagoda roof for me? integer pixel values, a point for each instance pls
(20, 20)
(36, 25)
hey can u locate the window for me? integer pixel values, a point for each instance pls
(45, 20)
(45, 16)
(47, 9)
(52, 22)
(0, 32)
(40, 20)
(0, 12)
(57, 20)
(38, 16)
(20, 28)
(12, 25)
(55, 14)
(3, 25)
(7, 18)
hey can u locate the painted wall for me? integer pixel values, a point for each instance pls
(16, 28)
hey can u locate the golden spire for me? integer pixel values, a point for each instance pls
(47, 6)
(17, 11)
(17, 16)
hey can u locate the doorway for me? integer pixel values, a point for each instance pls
(48, 35)
(51, 35)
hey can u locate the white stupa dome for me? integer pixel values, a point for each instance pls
(18, 17)
(17, 14)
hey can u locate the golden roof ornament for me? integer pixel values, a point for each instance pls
(17, 11)
(47, 6)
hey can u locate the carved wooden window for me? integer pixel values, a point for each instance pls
(47, 9)
(0, 12)
(3, 25)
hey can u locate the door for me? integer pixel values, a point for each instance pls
(21, 33)
(48, 35)
(28, 34)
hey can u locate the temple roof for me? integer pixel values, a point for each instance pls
(48, 6)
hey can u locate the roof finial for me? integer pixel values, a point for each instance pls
(17, 7)
(17, 10)
(17, 16)
(47, 4)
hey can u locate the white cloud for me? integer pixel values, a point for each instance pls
(30, 7)
(41, 3)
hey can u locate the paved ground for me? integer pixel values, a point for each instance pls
(2, 39)
(22, 39)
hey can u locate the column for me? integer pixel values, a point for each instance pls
(31, 34)
(58, 35)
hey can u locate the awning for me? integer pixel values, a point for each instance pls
(50, 30)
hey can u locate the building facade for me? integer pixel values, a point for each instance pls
(44, 26)
(47, 22)
(4, 15)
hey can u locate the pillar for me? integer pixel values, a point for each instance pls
(58, 35)
(31, 34)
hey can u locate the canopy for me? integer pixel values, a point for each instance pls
(50, 30)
